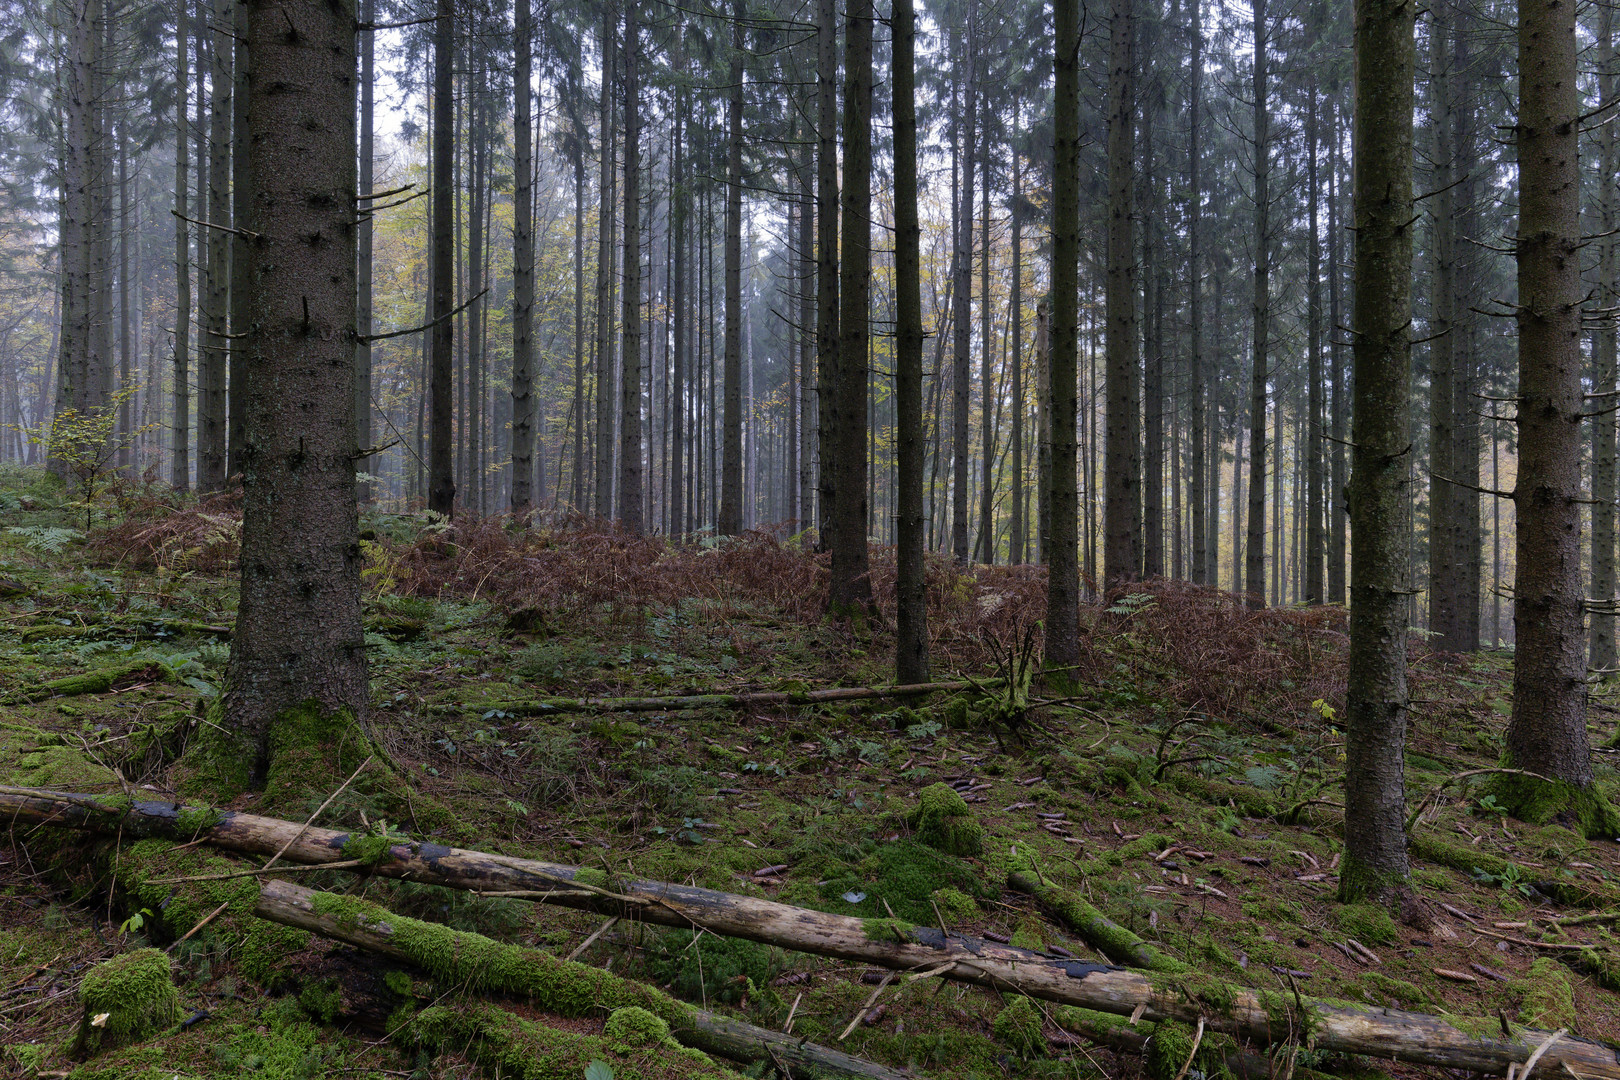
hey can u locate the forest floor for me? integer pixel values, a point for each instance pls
(1199, 740)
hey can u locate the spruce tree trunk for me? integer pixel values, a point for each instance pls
(441, 495)
(1254, 563)
(180, 442)
(962, 308)
(241, 275)
(1197, 493)
(1122, 507)
(523, 402)
(1315, 523)
(630, 450)
(1375, 864)
(211, 437)
(1043, 428)
(578, 155)
(1602, 653)
(680, 198)
(850, 590)
(989, 400)
(731, 469)
(365, 236)
(1152, 325)
(605, 265)
(298, 637)
(1018, 527)
(911, 601)
(826, 267)
(1060, 523)
(807, 350)
(1547, 731)
(1445, 502)
(1338, 511)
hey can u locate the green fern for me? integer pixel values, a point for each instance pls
(50, 539)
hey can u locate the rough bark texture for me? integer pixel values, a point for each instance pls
(1018, 526)
(1122, 505)
(1446, 612)
(1375, 861)
(523, 400)
(1060, 513)
(441, 341)
(1547, 731)
(1604, 430)
(180, 444)
(851, 588)
(1254, 550)
(962, 303)
(366, 243)
(629, 493)
(605, 259)
(1198, 495)
(211, 405)
(1315, 522)
(298, 636)
(1264, 1017)
(826, 265)
(731, 466)
(911, 601)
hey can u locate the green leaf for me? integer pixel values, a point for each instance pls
(598, 1070)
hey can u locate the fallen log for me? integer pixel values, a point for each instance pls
(1102, 933)
(480, 964)
(1263, 1017)
(546, 705)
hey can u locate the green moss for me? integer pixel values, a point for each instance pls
(398, 982)
(942, 820)
(1250, 802)
(474, 963)
(194, 820)
(309, 752)
(322, 1000)
(1466, 859)
(590, 875)
(899, 878)
(1538, 801)
(887, 930)
(1546, 998)
(126, 999)
(633, 1027)
(707, 967)
(1366, 923)
(1029, 934)
(956, 906)
(516, 1049)
(1168, 1049)
(1131, 849)
(1384, 990)
(95, 682)
(1018, 1025)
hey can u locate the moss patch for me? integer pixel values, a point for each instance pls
(1018, 1025)
(942, 821)
(1546, 998)
(1539, 802)
(126, 999)
(1366, 923)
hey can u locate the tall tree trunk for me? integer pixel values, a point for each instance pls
(1375, 864)
(180, 441)
(1122, 506)
(1602, 652)
(850, 590)
(962, 303)
(807, 349)
(241, 280)
(605, 266)
(1547, 731)
(1338, 510)
(578, 154)
(989, 400)
(1254, 567)
(523, 397)
(216, 298)
(1197, 494)
(1444, 500)
(1019, 526)
(125, 238)
(441, 363)
(366, 240)
(1152, 325)
(731, 472)
(1060, 543)
(630, 493)
(826, 266)
(911, 601)
(298, 637)
(679, 203)
(1315, 526)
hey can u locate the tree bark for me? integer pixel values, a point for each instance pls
(441, 341)
(1602, 653)
(1060, 521)
(850, 590)
(1547, 731)
(1199, 469)
(962, 302)
(605, 260)
(911, 601)
(1122, 505)
(523, 398)
(1315, 521)
(826, 267)
(731, 468)
(212, 415)
(298, 636)
(1445, 502)
(1018, 527)
(1254, 563)
(630, 450)
(366, 239)
(1375, 864)
(180, 444)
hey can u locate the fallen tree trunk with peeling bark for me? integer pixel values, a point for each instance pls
(1261, 1017)
(545, 705)
(480, 964)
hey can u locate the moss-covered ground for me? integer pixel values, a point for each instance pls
(1188, 792)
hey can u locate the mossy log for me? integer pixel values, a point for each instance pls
(1103, 933)
(545, 705)
(1262, 1017)
(480, 964)
(91, 682)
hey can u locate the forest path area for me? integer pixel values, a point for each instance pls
(1186, 788)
